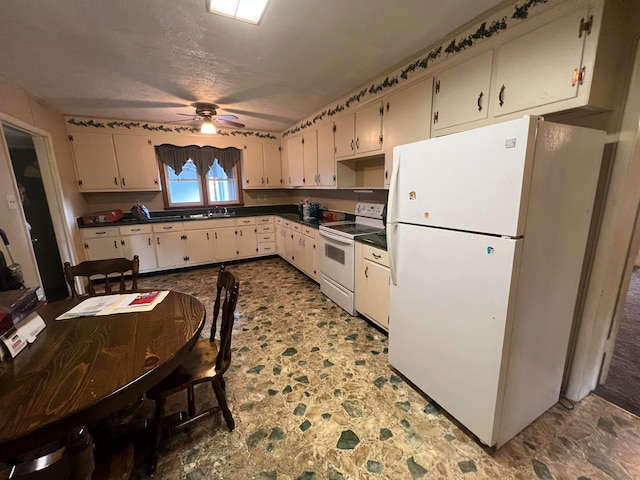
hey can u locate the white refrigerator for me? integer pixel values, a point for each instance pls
(486, 232)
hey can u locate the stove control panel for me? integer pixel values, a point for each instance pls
(371, 210)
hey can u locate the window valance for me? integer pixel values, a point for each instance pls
(203, 157)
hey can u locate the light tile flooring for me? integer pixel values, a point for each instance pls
(314, 398)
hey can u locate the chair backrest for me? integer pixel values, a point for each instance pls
(227, 294)
(102, 269)
(73, 461)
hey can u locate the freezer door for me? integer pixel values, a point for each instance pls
(475, 181)
(449, 319)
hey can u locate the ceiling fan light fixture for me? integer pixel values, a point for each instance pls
(249, 11)
(208, 127)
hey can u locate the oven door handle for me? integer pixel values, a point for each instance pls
(336, 238)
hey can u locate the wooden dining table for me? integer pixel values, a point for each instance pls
(80, 370)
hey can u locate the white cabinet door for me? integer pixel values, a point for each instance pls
(326, 157)
(284, 163)
(95, 161)
(369, 129)
(247, 241)
(199, 246)
(526, 78)
(297, 255)
(407, 119)
(225, 243)
(141, 245)
(288, 245)
(102, 248)
(462, 92)
(272, 165)
(295, 161)
(309, 256)
(171, 249)
(253, 165)
(372, 285)
(137, 162)
(345, 144)
(310, 158)
(280, 240)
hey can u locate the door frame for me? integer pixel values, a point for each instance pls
(42, 143)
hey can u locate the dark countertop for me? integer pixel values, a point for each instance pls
(290, 212)
(374, 239)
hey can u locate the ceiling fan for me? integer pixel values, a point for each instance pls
(206, 112)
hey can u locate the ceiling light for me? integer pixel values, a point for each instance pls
(207, 127)
(249, 11)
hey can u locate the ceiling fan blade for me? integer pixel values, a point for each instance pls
(226, 117)
(187, 115)
(192, 119)
(222, 121)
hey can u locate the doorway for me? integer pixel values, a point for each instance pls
(26, 169)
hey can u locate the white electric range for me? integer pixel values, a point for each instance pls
(337, 253)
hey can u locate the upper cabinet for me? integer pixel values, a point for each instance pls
(526, 77)
(461, 93)
(326, 171)
(295, 162)
(310, 158)
(261, 164)
(407, 118)
(359, 133)
(106, 162)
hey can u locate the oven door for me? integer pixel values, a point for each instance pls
(337, 260)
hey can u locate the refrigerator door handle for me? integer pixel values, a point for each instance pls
(391, 231)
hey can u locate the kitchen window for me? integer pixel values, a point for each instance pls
(199, 176)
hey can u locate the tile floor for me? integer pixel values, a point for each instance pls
(313, 397)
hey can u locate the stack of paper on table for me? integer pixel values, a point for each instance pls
(113, 304)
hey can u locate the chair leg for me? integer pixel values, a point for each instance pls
(191, 402)
(222, 402)
(155, 443)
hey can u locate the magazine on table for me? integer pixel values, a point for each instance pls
(113, 304)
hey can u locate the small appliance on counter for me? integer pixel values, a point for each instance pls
(140, 212)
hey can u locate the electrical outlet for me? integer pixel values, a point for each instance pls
(11, 201)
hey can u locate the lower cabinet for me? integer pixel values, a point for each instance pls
(296, 243)
(372, 284)
(225, 241)
(138, 240)
(102, 243)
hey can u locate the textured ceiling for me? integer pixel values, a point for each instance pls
(152, 59)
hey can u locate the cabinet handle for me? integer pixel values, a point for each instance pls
(158, 240)
(267, 180)
(122, 242)
(386, 174)
(149, 241)
(480, 101)
(351, 144)
(115, 244)
(86, 245)
(435, 117)
(115, 180)
(501, 95)
(167, 228)
(240, 232)
(289, 180)
(123, 184)
(215, 235)
(100, 233)
(155, 181)
(207, 235)
(357, 143)
(135, 229)
(366, 272)
(575, 77)
(376, 256)
(262, 180)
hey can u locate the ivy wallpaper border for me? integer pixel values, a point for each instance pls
(162, 128)
(456, 45)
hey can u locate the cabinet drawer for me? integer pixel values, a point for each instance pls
(309, 232)
(100, 232)
(266, 228)
(288, 224)
(266, 248)
(241, 222)
(266, 237)
(265, 219)
(375, 255)
(167, 227)
(135, 229)
(297, 227)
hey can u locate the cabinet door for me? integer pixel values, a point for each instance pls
(199, 246)
(170, 249)
(102, 248)
(310, 158)
(297, 253)
(137, 162)
(462, 92)
(295, 162)
(288, 245)
(377, 292)
(247, 241)
(369, 128)
(345, 142)
(525, 78)
(407, 118)
(253, 165)
(309, 256)
(284, 163)
(225, 243)
(141, 245)
(280, 233)
(95, 160)
(326, 156)
(272, 165)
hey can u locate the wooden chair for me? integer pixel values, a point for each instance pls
(103, 268)
(207, 362)
(74, 460)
